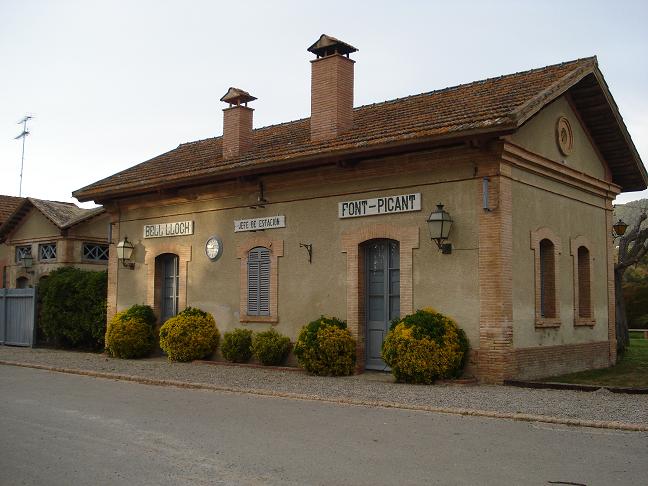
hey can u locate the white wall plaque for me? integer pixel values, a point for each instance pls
(380, 205)
(163, 230)
(258, 224)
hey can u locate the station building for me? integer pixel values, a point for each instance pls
(339, 214)
(38, 236)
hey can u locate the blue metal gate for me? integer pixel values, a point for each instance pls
(17, 316)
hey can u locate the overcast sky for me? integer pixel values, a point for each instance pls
(114, 83)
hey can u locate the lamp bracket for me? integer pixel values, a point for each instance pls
(309, 249)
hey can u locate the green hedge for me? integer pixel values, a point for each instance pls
(72, 305)
(190, 335)
(130, 333)
(237, 345)
(425, 346)
(270, 347)
(326, 347)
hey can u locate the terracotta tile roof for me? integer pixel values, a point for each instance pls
(8, 204)
(491, 105)
(62, 214)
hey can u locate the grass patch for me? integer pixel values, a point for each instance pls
(631, 371)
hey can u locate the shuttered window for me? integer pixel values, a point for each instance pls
(259, 282)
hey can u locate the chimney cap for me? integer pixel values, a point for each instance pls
(236, 96)
(327, 45)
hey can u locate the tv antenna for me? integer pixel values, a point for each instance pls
(23, 135)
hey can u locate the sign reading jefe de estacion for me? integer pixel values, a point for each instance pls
(380, 205)
(180, 228)
(258, 224)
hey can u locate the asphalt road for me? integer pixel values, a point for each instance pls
(72, 430)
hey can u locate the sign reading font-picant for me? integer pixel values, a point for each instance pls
(380, 205)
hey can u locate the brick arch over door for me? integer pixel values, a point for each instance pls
(408, 238)
(184, 257)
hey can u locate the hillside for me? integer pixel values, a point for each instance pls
(631, 211)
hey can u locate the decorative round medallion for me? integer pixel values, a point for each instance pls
(214, 248)
(564, 136)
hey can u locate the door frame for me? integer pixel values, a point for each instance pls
(184, 257)
(408, 237)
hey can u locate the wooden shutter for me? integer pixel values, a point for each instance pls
(259, 282)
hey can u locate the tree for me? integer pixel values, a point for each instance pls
(633, 246)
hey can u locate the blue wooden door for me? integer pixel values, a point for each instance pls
(382, 296)
(170, 269)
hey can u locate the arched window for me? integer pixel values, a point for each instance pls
(546, 247)
(22, 282)
(258, 279)
(547, 279)
(584, 292)
(582, 257)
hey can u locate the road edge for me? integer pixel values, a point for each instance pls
(521, 417)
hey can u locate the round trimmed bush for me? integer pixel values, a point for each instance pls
(143, 312)
(237, 345)
(190, 335)
(270, 347)
(425, 346)
(326, 347)
(129, 336)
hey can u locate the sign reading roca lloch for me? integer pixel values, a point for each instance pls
(180, 228)
(258, 224)
(380, 205)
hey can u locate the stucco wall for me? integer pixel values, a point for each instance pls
(447, 282)
(34, 226)
(538, 135)
(537, 204)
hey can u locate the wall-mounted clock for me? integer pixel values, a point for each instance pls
(214, 248)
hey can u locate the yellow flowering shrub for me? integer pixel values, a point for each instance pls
(129, 336)
(425, 346)
(326, 347)
(190, 335)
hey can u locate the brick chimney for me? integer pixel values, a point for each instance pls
(237, 123)
(331, 88)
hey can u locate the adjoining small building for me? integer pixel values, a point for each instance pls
(490, 202)
(38, 236)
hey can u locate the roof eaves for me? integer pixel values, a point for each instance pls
(622, 126)
(92, 213)
(354, 149)
(553, 91)
(13, 220)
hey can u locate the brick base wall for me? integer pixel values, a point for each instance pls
(543, 361)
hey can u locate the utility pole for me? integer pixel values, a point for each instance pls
(23, 135)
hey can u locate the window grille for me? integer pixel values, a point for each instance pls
(259, 282)
(21, 252)
(95, 252)
(47, 251)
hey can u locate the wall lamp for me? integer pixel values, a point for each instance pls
(439, 223)
(27, 262)
(619, 228)
(125, 252)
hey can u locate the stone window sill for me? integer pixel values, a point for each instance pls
(545, 322)
(584, 321)
(261, 319)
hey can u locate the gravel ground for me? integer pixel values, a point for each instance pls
(599, 405)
